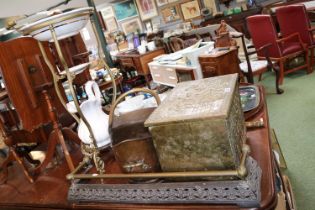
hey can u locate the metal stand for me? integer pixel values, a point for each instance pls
(91, 152)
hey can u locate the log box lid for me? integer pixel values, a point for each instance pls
(196, 100)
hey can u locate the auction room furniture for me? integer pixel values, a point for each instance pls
(294, 19)
(251, 67)
(257, 138)
(180, 66)
(281, 50)
(28, 83)
(139, 62)
(220, 63)
(171, 74)
(176, 44)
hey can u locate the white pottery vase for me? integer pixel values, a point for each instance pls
(98, 120)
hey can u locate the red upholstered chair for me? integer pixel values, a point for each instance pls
(263, 32)
(294, 19)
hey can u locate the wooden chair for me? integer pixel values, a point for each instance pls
(206, 37)
(159, 42)
(251, 68)
(263, 33)
(29, 86)
(190, 40)
(294, 19)
(176, 44)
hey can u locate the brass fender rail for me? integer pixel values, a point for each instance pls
(241, 172)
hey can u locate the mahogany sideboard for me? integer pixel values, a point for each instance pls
(50, 189)
(139, 62)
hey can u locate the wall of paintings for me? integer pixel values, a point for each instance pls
(131, 16)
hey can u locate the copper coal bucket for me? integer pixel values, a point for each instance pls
(132, 142)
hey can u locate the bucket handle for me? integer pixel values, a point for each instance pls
(121, 97)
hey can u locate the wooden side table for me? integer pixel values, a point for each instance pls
(220, 63)
(139, 61)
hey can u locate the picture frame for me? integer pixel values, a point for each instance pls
(190, 10)
(147, 9)
(131, 26)
(125, 10)
(160, 3)
(211, 5)
(171, 13)
(107, 12)
(148, 26)
(111, 24)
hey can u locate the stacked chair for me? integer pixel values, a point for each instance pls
(280, 50)
(294, 19)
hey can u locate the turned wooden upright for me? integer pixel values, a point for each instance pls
(30, 89)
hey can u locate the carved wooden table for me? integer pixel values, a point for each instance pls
(50, 190)
(139, 61)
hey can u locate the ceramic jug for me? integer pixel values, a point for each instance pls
(98, 120)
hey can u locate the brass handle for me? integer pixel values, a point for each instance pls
(255, 124)
(135, 90)
(140, 163)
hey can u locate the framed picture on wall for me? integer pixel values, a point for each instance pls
(107, 12)
(171, 13)
(131, 26)
(190, 9)
(111, 24)
(161, 2)
(147, 9)
(211, 5)
(125, 9)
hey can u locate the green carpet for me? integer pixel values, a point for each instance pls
(292, 115)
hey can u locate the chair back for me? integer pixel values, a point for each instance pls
(292, 19)
(263, 32)
(176, 44)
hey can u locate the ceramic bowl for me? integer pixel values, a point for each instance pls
(65, 24)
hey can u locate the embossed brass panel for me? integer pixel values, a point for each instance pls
(200, 126)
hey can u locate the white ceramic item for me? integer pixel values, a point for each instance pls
(77, 69)
(65, 24)
(98, 120)
(151, 46)
(141, 49)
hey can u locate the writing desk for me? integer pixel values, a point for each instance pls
(50, 190)
(132, 59)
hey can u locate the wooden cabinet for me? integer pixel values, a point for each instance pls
(220, 63)
(171, 74)
(139, 62)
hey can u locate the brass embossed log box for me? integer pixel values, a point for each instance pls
(200, 126)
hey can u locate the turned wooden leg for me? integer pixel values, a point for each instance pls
(52, 142)
(281, 72)
(20, 162)
(57, 133)
(71, 135)
(312, 60)
(13, 156)
(277, 71)
(4, 168)
(259, 78)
